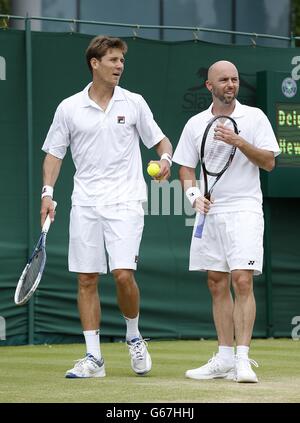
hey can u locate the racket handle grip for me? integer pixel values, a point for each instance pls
(200, 226)
(47, 222)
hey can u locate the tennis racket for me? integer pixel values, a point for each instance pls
(33, 271)
(216, 157)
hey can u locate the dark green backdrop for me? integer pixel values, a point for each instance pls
(175, 303)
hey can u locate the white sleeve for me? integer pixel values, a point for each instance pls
(58, 137)
(149, 132)
(264, 136)
(186, 153)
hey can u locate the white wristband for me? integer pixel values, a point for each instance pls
(192, 194)
(166, 156)
(47, 191)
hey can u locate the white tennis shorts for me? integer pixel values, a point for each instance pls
(95, 233)
(230, 241)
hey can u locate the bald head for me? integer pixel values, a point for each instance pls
(222, 66)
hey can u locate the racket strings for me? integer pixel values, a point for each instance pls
(32, 273)
(217, 153)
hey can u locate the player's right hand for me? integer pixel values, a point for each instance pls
(202, 205)
(47, 207)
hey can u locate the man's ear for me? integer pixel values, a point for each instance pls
(208, 85)
(94, 62)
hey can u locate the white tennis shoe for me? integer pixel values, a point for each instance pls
(89, 366)
(140, 358)
(215, 368)
(243, 370)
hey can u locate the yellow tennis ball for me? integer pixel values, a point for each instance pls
(153, 169)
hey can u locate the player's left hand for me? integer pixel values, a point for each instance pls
(165, 171)
(225, 134)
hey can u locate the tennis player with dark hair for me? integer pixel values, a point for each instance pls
(231, 247)
(102, 125)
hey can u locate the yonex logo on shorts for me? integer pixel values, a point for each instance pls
(136, 259)
(251, 262)
(121, 119)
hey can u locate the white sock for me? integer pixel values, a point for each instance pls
(132, 328)
(92, 341)
(227, 353)
(242, 351)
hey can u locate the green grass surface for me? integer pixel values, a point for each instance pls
(36, 374)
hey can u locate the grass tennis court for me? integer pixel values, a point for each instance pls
(36, 374)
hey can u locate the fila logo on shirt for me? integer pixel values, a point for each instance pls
(121, 119)
(251, 262)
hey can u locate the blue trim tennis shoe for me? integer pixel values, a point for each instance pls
(215, 368)
(140, 358)
(89, 366)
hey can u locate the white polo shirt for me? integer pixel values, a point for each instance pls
(239, 187)
(104, 145)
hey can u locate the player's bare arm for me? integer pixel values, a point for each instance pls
(187, 178)
(164, 147)
(261, 158)
(51, 169)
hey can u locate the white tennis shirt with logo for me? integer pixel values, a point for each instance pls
(104, 145)
(239, 187)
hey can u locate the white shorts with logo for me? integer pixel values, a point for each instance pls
(95, 233)
(230, 241)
